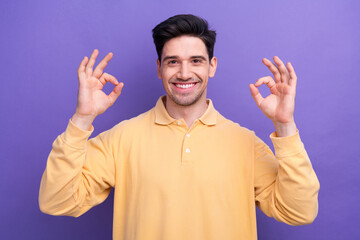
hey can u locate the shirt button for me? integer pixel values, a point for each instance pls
(188, 135)
(187, 150)
(179, 122)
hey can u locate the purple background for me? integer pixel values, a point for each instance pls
(43, 42)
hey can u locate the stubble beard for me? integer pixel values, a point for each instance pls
(187, 101)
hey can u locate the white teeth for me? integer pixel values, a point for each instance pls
(185, 85)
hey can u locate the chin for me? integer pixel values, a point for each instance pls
(185, 101)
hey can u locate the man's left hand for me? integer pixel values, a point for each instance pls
(279, 105)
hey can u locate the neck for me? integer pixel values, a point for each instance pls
(188, 113)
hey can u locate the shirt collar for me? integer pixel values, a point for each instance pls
(162, 116)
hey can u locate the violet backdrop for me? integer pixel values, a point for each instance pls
(43, 42)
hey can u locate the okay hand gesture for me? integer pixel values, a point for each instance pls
(92, 101)
(279, 105)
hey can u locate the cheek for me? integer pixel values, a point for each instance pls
(165, 83)
(203, 74)
(168, 74)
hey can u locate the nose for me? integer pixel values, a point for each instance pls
(184, 71)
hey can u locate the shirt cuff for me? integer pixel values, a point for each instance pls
(75, 136)
(285, 146)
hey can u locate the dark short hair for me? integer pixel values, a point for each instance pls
(184, 24)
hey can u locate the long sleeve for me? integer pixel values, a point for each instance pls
(79, 173)
(286, 186)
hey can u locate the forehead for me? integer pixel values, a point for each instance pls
(184, 47)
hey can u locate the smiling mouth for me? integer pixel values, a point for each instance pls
(184, 85)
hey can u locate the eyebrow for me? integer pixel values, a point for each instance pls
(176, 57)
(200, 56)
(170, 57)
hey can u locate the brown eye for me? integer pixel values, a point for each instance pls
(172, 62)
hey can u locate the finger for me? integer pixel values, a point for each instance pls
(293, 77)
(256, 94)
(269, 81)
(101, 66)
(105, 77)
(115, 93)
(90, 64)
(81, 69)
(273, 69)
(283, 71)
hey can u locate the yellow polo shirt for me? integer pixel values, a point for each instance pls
(175, 183)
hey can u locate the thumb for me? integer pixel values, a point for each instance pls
(256, 94)
(115, 93)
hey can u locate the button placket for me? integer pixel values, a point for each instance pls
(187, 156)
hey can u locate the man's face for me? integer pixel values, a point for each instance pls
(185, 69)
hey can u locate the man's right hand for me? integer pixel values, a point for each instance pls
(92, 101)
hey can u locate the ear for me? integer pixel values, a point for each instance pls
(158, 68)
(213, 65)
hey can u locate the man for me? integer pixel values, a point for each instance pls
(181, 170)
